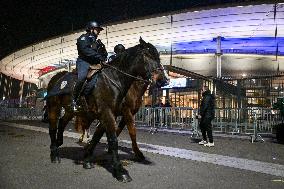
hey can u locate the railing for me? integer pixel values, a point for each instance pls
(250, 121)
(171, 118)
(16, 103)
(20, 113)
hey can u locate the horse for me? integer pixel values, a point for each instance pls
(141, 62)
(128, 108)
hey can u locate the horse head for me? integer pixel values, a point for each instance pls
(153, 68)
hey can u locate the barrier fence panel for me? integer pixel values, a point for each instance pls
(20, 113)
(165, 118)
(250, 121)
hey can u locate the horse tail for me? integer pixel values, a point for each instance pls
(78, 124)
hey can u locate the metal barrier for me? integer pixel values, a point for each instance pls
(20, 113)
(251, 121)
(246, 121)
(166, 118)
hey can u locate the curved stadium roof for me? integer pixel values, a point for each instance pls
(248, 41)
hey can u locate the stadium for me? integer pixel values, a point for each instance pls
(237, 49)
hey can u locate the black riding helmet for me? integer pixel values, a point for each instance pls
(119, 48)
(93, 25)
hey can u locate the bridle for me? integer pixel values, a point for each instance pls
(150, 72)
(150, 68)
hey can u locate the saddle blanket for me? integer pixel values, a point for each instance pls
(65, 85)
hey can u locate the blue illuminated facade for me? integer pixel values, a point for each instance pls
(253, 45)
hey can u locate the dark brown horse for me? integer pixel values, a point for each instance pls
(128, 108)
(104, 101)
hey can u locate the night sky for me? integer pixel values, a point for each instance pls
(23, 22)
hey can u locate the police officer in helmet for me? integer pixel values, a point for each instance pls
(118, 49)
(87, 46)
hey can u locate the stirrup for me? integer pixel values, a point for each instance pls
(75, 107)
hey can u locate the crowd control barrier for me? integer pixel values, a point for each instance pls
(254, 122)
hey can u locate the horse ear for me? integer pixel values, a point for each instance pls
(142, 42)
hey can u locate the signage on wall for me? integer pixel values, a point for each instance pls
(176, 83)
(181, 83)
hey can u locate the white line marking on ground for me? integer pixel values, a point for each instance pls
(239, 163)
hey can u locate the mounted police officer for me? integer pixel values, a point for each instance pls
(87, 46)
(118, 49)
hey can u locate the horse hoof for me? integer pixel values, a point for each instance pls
(59, 143)
(139, 156)
(88, 165)
(123, 177)
(53, 159)
(54, 156)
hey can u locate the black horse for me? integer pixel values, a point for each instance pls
(140, 62)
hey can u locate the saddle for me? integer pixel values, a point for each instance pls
(93, 70)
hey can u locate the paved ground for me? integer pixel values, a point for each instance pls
(24, 162)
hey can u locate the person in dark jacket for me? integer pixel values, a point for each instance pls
(118, 49)
(167, 103)
(206, 115)
(87, 46)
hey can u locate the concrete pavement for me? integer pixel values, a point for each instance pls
(25, 162)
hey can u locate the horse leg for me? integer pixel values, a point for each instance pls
(61, 126)
(89, 148)
(130, 122)
(82, 136)
(81, 124)
(53, 120)
(88, 132)
(108, 121)
(120, 127)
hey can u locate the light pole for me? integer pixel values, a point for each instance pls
(218, 56)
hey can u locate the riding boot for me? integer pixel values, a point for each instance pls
(76, 94)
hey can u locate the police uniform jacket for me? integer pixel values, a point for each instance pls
(87, 47)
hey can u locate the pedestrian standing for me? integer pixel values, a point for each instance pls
(206, 115)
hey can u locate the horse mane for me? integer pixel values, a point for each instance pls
(154, 52)
(54, 79)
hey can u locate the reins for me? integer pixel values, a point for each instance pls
(127, 74)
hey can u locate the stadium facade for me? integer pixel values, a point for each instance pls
(237, 50)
